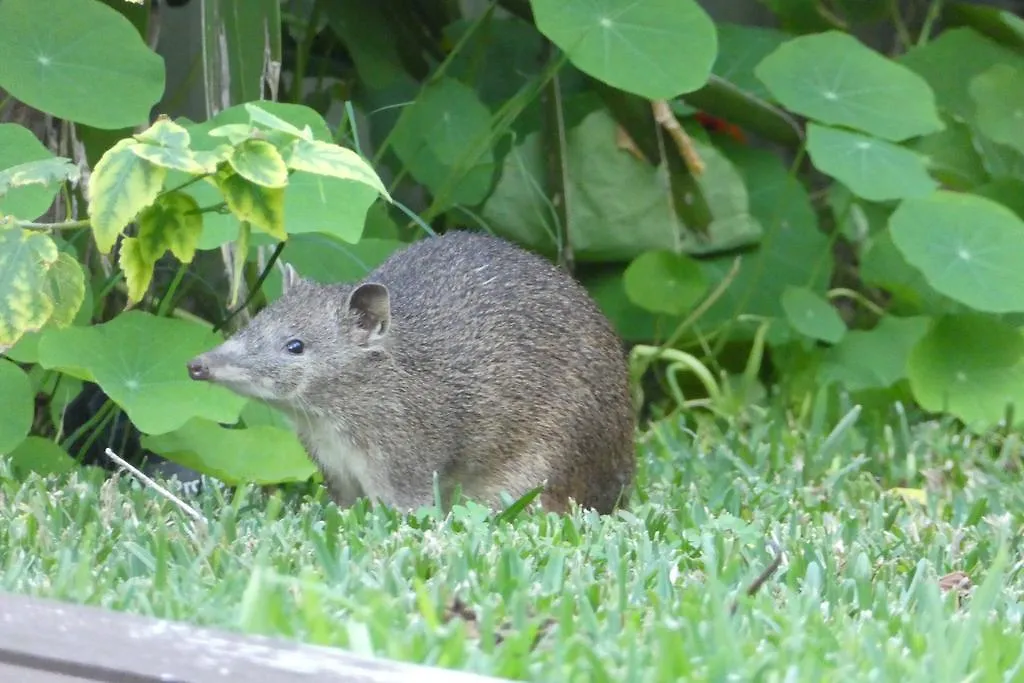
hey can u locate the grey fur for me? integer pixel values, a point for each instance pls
(461, 354)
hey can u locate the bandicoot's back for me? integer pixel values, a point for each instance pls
(461, 354)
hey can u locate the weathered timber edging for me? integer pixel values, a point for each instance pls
(47, 641)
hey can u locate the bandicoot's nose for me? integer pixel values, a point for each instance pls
(197, 369)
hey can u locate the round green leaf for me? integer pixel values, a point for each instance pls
(812, 315)
(875, 358)
(18, 400)
(42, 456)
(967, 247)
(79, 60)
(139, 361)
(658, 49)
(262, 455)
(835, 79)
(873, 169)
(664, 282)
(971, 366)
(998, 94)
(18, 146)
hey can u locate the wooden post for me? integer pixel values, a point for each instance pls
(46, 641)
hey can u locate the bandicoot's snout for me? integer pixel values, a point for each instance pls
(198, 369)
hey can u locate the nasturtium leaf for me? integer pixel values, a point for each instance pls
(263, 117)
(172, 222)
(971, 366)
(326, 259)
(66, 289)
(998, 95)
(78, 60)
(25, 259)
(261, 455)
(740, 49)
(968, 248)
(1007, 191)
(952, 157)
(42, 456)
(664, 282)
(18, 146)
(323, 158)
(261, 206)
(138, 359)
(171, 158)
(874, 169)
(122, 184)
(833, 78)
(951, 60)
(18, 400)
(443, 139)
(259, 162)
(138, 269)
(882, 265)
(165, 133)
(633, 46)
(812, 315)
(875, 358)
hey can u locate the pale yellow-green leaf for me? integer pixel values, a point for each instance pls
(210, 159)
(122, 184)
(168, 157)
(241, 256)
(165, 133)
(262, 116)
(234, 132)
(25, 258)
(261, 206)
(172, 222)
(66, 289)
(138, 270)
(324, 158)
(41, 172)
(260, 162)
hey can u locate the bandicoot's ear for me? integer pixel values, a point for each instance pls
(290, 278)
(371, 303)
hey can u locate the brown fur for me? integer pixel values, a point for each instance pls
(461, 354)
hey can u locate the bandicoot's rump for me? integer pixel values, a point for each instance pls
(462, 355)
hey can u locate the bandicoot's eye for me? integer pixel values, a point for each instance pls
(294, 347)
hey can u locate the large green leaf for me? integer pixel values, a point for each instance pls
(969, 248)
(971, 366)
(139, 361)
(326, 259)
(951, 61)
(657, 49)
(835, 79)
(78, 60)
(18, 400)
(443, 138)
(261, 455)
(740, 49)
(42, 456)
(998, 95)
(875, 358)
(18, 146)
(874, 169)
(25, 304)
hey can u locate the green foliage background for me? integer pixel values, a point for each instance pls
(758, 209)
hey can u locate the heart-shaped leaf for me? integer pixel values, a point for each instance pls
(139, 361)
(998, 94)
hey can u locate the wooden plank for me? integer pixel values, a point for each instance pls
(47, 641)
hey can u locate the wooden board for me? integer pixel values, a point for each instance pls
(46, 641)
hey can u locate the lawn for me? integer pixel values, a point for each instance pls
(866, 589)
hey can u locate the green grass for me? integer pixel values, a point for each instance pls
(642, 595)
